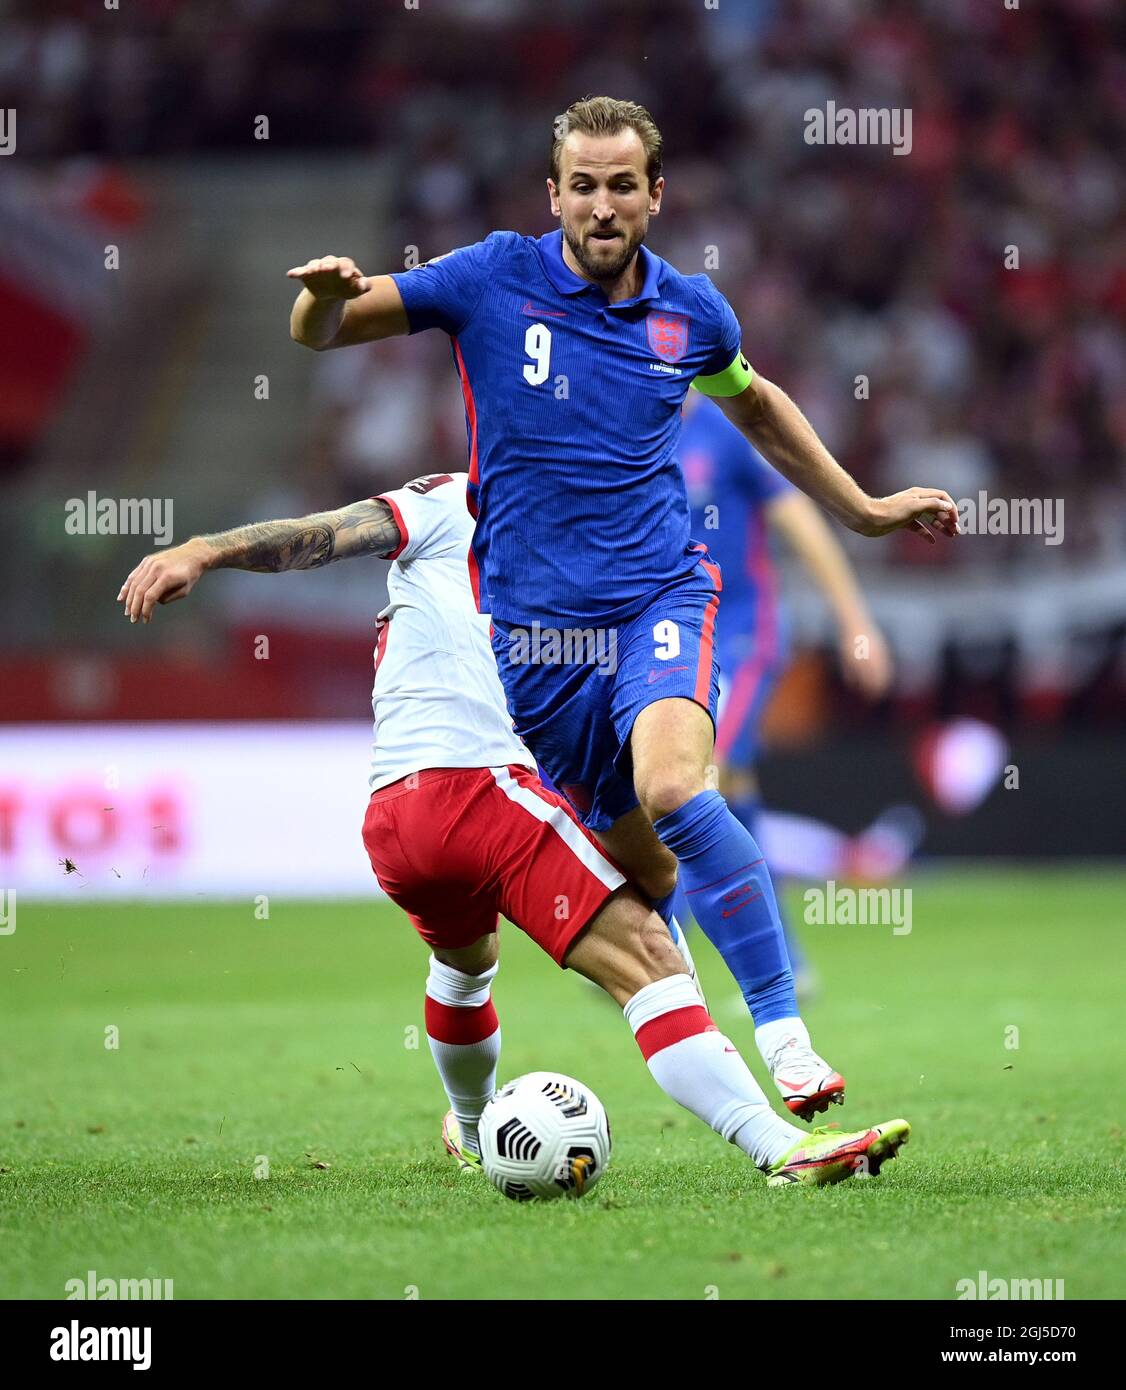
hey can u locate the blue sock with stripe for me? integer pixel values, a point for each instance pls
(747, 810)
(729, 890)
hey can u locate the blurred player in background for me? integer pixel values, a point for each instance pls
(574, 352)
(738, 501)
(459, 829)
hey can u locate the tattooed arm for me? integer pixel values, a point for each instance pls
(364, 528)
(267, 547)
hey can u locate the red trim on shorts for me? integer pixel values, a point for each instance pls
(399, 522)
(704, 669)
(707, 639)
(447, 1024)
(673, 1027)
(711, 569)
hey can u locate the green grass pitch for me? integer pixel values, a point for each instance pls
(300, 1039)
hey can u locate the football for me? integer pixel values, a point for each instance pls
(544, 1135)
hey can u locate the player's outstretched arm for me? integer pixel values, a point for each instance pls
(267, 547)
(778, 429)
(865, 658)
(339, 306)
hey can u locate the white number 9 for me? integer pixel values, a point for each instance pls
(537, 344)
(666, 635)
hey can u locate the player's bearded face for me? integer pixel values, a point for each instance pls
(604, 251)
(604, 201)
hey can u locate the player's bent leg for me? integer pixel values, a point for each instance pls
(723, 875)
(554, 881)
(728, 886)
(558, 886)
(634, 845)
(671, 743)
(463, 1031)
(626, 949)
(457, 918)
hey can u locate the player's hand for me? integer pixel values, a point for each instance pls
(915, 509)
(331, 277)
(163, 577)
(866, 662)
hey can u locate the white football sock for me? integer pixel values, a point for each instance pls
(694, 1063)
(464, 1036)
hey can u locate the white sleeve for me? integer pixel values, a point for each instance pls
(431, 514)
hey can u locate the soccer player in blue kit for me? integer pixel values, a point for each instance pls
(575, 351)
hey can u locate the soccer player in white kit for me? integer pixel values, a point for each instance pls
(460, 829)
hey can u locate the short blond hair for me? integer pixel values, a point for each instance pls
(608, 116)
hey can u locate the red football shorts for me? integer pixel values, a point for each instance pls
(453, 847)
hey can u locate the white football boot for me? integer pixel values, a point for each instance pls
(805, 1081)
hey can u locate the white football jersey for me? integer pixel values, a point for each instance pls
(437, 698)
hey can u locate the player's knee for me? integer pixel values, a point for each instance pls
(625, 948)
(651, 955)
(665, 790)
(657, 955)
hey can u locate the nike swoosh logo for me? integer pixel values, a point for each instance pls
(656, 675)
(791, 1085)
(530, 308)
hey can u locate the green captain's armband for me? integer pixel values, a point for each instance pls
(729, 382)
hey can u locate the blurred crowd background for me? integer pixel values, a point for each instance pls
(396, 132)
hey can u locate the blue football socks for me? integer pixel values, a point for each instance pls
(728, 888)
(746, 810)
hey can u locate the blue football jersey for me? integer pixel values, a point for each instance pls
(729, 483)
(572, 409)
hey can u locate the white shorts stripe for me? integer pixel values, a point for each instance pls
(562, 824)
